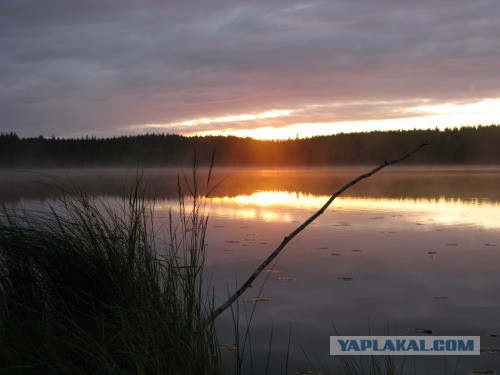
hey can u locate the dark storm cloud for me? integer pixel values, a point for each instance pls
(105, 67)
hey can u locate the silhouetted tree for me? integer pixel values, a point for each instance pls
(467, 145)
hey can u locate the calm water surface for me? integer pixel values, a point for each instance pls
(408, 248)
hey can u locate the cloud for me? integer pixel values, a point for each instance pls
(318, 114)
(104, 68)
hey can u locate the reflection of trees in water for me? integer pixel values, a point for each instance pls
(409, 182)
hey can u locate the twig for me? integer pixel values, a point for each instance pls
(288, 238)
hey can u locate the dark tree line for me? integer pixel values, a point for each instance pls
(468, 145)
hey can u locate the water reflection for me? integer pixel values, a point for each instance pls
(431, 182)
(367, 264)
(285, 206)
(408, 248)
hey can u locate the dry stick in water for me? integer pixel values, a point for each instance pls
(288, 238)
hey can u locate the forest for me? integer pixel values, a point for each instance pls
(452, 146)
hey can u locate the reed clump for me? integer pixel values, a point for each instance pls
(93, 287)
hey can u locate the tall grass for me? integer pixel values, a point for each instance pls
(84, 289)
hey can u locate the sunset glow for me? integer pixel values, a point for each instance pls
(271, 70)
(287, 206)
(216, 171)
(439, 116)
(274, 113)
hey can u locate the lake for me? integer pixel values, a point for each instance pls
(407, 248)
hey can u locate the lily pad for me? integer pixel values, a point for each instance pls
(342, 224)
(232, 241)
(345, 278)
(451, 244)
(258, 299)
(335, 254)
(419, 330)
(286, 278)
(230, 347)
(491, 350)
(432, 252)
(274, 270)
(441, 297)
(356, 250)
(490, 244)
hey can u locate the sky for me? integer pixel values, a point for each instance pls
(267, 69)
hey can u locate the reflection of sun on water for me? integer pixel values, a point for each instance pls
(271, 198)
(287, 206)
(279, 205)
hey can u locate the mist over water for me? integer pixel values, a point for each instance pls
(407, 248)
(395, 182)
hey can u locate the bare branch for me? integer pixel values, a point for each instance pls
(288, 238)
